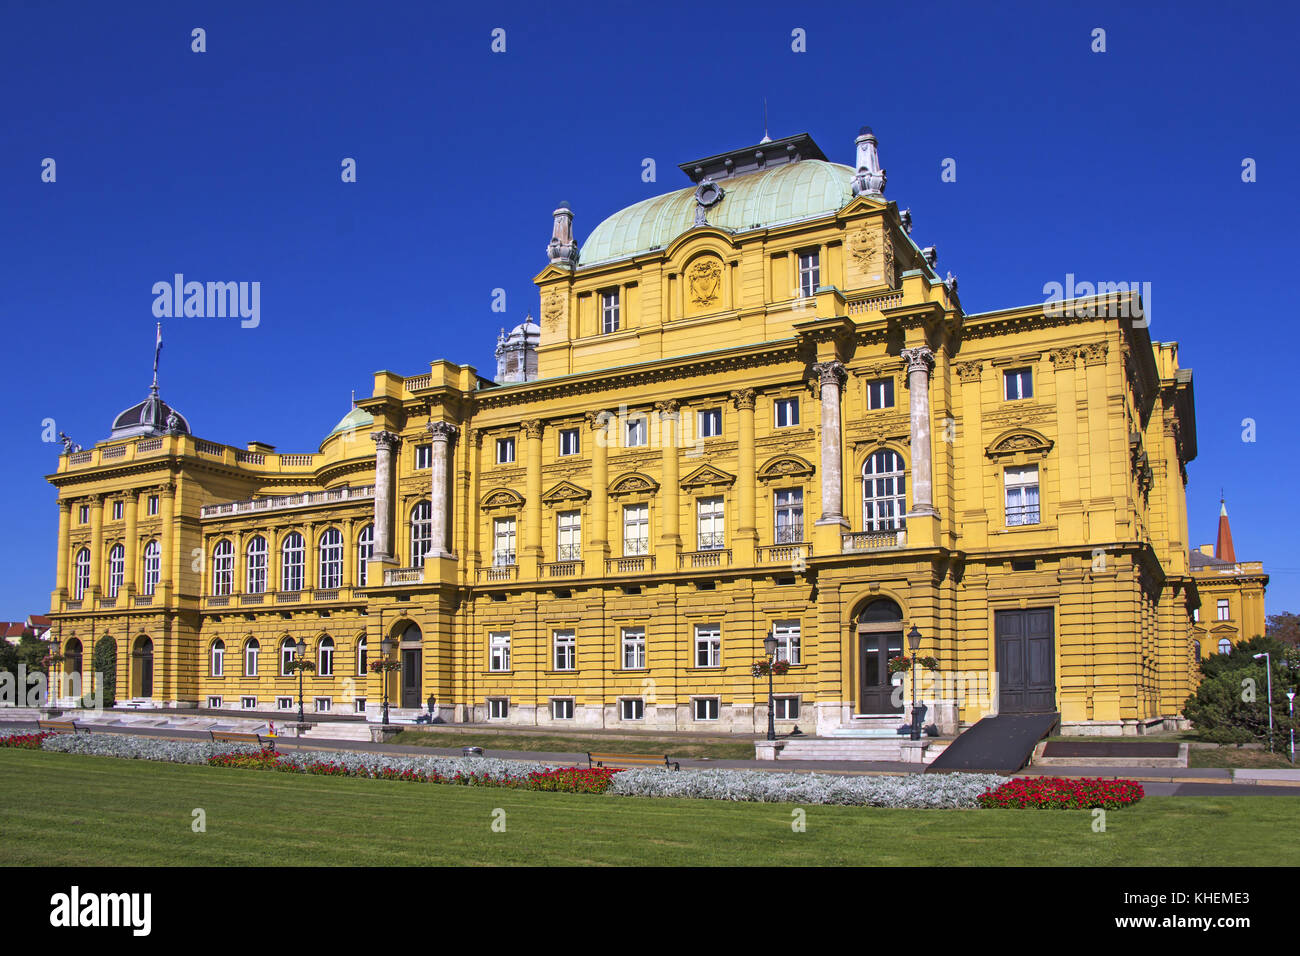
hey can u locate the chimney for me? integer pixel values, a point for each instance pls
(1223, 546)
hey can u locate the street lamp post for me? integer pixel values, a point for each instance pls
(1268, 666)
(385, 648)
(769, 645)
(302, 656)
(914, 645)
(1290, 703)
(51, 691)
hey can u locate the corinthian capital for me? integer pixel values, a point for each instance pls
(533, 428)
(442, 431)
(668, 409)
(386, 441)
(919, 359)
(830, 373)
(598, 421)
(743, 397)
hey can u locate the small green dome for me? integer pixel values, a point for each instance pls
(787, 193)
(356, 419)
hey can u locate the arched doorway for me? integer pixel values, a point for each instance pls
(880, 637)
(72, 665)
(411, 642)
(142, 667)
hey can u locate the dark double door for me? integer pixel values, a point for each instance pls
(877, 690)
(1026, 649)
(411, 677)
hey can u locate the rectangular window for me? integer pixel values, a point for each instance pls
(498, 708)
(570, 443)
(152, 507)
(785, 708)
(358, 705)
(423, 457)
(1223, 610)
(712, 535)
(635, 434)
(566, 650)
(787, 412)
(84, 514)
(609, 319)
(709, 422)
(117, 511)
(1019, 383)
(322, 705)
(631, 708)
(708, 645)
(248, 703)
(787, 641)
(568, 534)
(1022, 495)
(214, 703)
(1196, 614)
(809, 272)
(880, 393)
(251, 653)
(503, 542)
(789, 516)
(505, 451)
(499, 651)
(562, 708)
(636, 530)
(255, 576)
(633, 648)
(284, 703)
(706, 708)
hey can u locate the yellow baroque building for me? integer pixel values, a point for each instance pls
(749, 407)
(1232, 595)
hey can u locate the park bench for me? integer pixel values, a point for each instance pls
(60, 727)
(236, 737)
(631, 760)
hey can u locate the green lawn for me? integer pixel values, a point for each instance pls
(576, 743)
(65, 810)
(1230, 757)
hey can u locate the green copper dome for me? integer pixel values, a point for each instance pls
(354, 420)
(787, 193)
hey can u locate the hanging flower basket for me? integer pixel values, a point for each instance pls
(382, 666)
(898, 665)
(299, 664)
(763, 665)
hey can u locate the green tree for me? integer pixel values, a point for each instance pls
(8, 657)
(31, 652)
(105, 663)
(1231, 704)
(1285, 627)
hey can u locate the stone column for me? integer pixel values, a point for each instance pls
(167, 559)
(920, 361)
(747, 530)
(533, 491)
(670, 419)
(61, 570)
(349, 553)
(831, 375)
(442, 433)
(97, 545)
(386, 445)
(598, 423)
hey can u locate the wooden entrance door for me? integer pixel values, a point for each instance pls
(1026, 649)
(877, 690)
(411, 677)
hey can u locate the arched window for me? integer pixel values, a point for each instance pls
(361, 657)
(331, 560)
(421, 532)
(251, 649)
(72, 657)
(365, 551)
(288, 651)
(1196, 651)
(255, 578)
(1225, 646)
(223, 567)
(218, 658)
(116, 569)
(81, 580)
(293, 558)
(152, 566)
(884, 499)
(325, 657)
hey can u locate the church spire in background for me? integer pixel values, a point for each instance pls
(1223, 546)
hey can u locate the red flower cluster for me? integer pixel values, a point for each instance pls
(1062, 793)
(573, 780)
(24, 741)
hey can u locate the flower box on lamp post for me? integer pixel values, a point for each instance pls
(383, 667)
(300, 663)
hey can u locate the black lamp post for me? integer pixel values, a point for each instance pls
(769, 645)
(385, 648)
(914, 645)
(302, 656)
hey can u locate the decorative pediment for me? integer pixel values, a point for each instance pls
(502, 498)
(633, 483)
(1021, 441)
(706, 476)
(785, 467)
(565, 493)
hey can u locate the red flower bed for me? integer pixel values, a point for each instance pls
(1063, 793)
(572, 780)
(24, 741)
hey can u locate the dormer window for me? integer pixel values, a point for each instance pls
(609, 311)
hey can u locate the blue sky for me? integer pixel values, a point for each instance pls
(225, 165)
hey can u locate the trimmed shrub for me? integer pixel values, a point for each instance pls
(104, 661)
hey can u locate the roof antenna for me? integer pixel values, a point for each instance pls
(766, 138)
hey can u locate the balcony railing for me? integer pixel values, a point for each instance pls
(784, 553)
(504, 572)
(569, 552)
(789, 533)
(252, 598)
(562, 569)
(630, 564)
(864, 541)
(143, 600)
(635, 546)
(712, 541)
(404, 575)
(279, 502)
(713, 558)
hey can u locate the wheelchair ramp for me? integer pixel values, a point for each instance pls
(1000, 744)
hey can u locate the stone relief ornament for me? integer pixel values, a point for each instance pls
(553, 309)
(871, 251)
(704, 281)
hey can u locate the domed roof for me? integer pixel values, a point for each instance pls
(786, 193)
(356, 419)
(153, 416)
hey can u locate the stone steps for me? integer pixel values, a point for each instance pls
(342, 730)
(853, 748)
